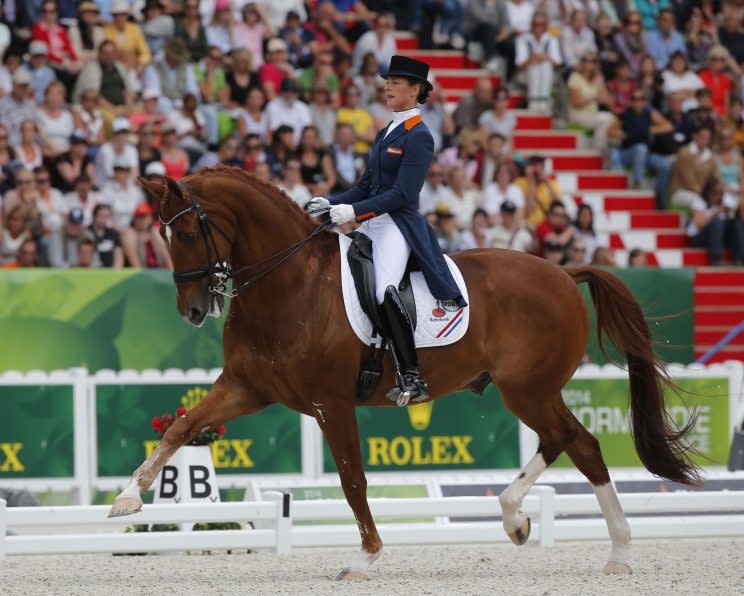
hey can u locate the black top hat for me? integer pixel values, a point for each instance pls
(409, 68)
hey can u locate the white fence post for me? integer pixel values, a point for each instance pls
(3, 527)
(283, 522)
(547, 514)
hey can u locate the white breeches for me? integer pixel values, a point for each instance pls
(390, 252)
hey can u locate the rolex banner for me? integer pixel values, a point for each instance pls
(266, 443)
(36, 431)
(461, 431)
(601, 405)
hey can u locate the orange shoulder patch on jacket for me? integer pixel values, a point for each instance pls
(412, 121)
(395, 150)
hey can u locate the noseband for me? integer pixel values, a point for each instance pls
(221, 271)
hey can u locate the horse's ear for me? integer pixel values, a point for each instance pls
(156, 189)
(174, 188)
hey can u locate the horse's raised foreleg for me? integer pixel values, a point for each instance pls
(223, 402)
(584, 451)
(339, 425)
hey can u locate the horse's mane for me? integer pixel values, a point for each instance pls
(280, 198)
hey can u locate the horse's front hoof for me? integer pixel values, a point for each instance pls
(125, 506)
(350, 575)
(614, 568)
(522, 533)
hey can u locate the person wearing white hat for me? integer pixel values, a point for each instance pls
(147, 112)
(276, 68)
(42, 75)
(155, 170)
(128, 36)
(122, 192)
(17, 106)
(118, 147)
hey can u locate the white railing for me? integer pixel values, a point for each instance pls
(276, 511)
(706, 514)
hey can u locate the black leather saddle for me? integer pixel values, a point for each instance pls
(362, 269)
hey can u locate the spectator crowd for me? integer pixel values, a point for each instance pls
(94, 94)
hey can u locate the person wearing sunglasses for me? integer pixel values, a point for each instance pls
(586, 92)
(636, 127)
(61, 54)
(716, 79)
(631, 41)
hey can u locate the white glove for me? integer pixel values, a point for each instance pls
(341, 214)
(318, 205)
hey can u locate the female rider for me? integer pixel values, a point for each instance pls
(386, 201)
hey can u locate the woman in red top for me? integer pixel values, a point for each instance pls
(61, 53)
(175, 159)
(715, 78)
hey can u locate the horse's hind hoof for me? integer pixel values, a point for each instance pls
(522, 533)
(349, 574)
(614, 568)
(125, 506)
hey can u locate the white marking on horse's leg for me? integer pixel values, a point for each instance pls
(168, 235)
(129, 500)
(617, 526)
(358, 568)
(515, 523)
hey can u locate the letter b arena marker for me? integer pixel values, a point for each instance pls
(188, 477)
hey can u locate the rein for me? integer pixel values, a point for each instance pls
(221, 270)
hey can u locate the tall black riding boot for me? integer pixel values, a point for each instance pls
(400, 333)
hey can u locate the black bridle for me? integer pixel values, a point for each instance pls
(221, 271)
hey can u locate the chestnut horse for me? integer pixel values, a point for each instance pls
(287, 341)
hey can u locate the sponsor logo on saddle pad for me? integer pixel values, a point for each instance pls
(395, 150)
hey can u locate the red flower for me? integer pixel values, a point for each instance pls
(157, 424)
(180, 411)
(220, 430)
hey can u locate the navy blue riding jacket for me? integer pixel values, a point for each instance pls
(391, 183)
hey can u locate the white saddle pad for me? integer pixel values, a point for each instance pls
(439, 324)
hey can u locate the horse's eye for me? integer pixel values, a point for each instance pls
(187, 236)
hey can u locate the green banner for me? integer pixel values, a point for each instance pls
(458, 432)
(667, 296)
(36, 431)
(266, 443)
(117, 319)
(601, 405)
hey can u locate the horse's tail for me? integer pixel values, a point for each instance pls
(659, 444)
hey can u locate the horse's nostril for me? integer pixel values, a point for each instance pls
(195, 314)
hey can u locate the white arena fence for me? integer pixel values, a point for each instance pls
(714, 514)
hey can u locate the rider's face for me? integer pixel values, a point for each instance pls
(400, 94)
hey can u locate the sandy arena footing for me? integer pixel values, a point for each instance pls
(701, 566)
